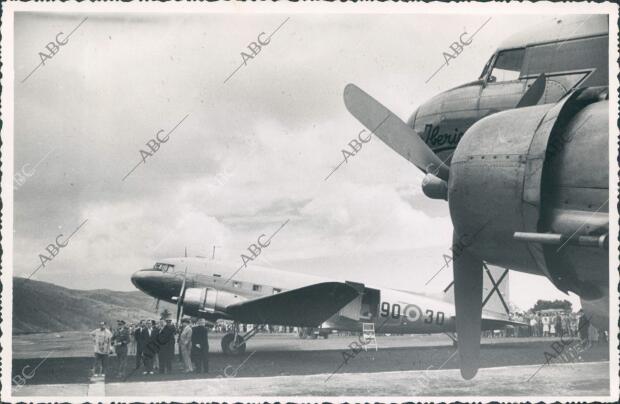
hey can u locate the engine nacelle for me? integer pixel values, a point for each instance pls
(539, 171)
(199, 301)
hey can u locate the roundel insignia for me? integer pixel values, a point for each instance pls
(412, 313)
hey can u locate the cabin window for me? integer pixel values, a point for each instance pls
(236, 284)
(276, 290)
(507, 66)
(256, 288)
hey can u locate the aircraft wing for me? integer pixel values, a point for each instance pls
(495, 324)
(494, 321)
(308, 306)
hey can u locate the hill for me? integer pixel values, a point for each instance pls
(45, 307)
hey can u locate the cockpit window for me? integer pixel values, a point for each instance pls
(507, 65)
(162, 267)
(486, 68)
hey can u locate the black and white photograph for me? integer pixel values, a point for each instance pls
(309, 202)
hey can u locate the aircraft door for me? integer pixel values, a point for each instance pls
(352, 309)
(370, 304)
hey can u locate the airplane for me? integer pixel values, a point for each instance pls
(203, 288)
(521, 156)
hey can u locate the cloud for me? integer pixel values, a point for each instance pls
(252, 153)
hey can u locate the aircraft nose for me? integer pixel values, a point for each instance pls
(140, 279)
(157, 284)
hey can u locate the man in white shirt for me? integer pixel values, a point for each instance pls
(185, 345)
(533, 327)
(102, 338)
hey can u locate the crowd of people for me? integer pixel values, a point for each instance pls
(551, 323)
(154, 345)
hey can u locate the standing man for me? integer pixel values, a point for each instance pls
(140, 343)
(131, 347)
(102, 338)
(166, 353)
(546, 329)
(120, 340)
(558, 324)
(583, 328)
(565, 325)
(533, 327)
(185, 345)
(150, 347)
(157, 327)
(573, 325)
(200, 347)
(539, 324)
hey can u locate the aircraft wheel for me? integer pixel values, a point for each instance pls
(230, 346)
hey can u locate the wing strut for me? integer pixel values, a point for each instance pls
(496, 288)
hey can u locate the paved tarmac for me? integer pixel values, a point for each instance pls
(560, 380)
(284, 364)
(79, 344)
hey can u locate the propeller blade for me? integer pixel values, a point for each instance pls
(179, 308)
(393, 131)
(467, 270)
(181, 298)
(534, 93)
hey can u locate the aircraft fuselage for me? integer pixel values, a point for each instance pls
(390, 310)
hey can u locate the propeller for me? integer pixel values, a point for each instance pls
(393, 131)
(534, 93)
(181, 298)
(467, 271)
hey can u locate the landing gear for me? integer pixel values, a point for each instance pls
(233, 343)
(312, 333)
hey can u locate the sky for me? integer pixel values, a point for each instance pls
(246, 154)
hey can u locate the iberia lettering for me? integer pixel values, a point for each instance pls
(434, 139)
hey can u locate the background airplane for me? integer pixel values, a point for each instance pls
(521, 156)
(257, 295)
